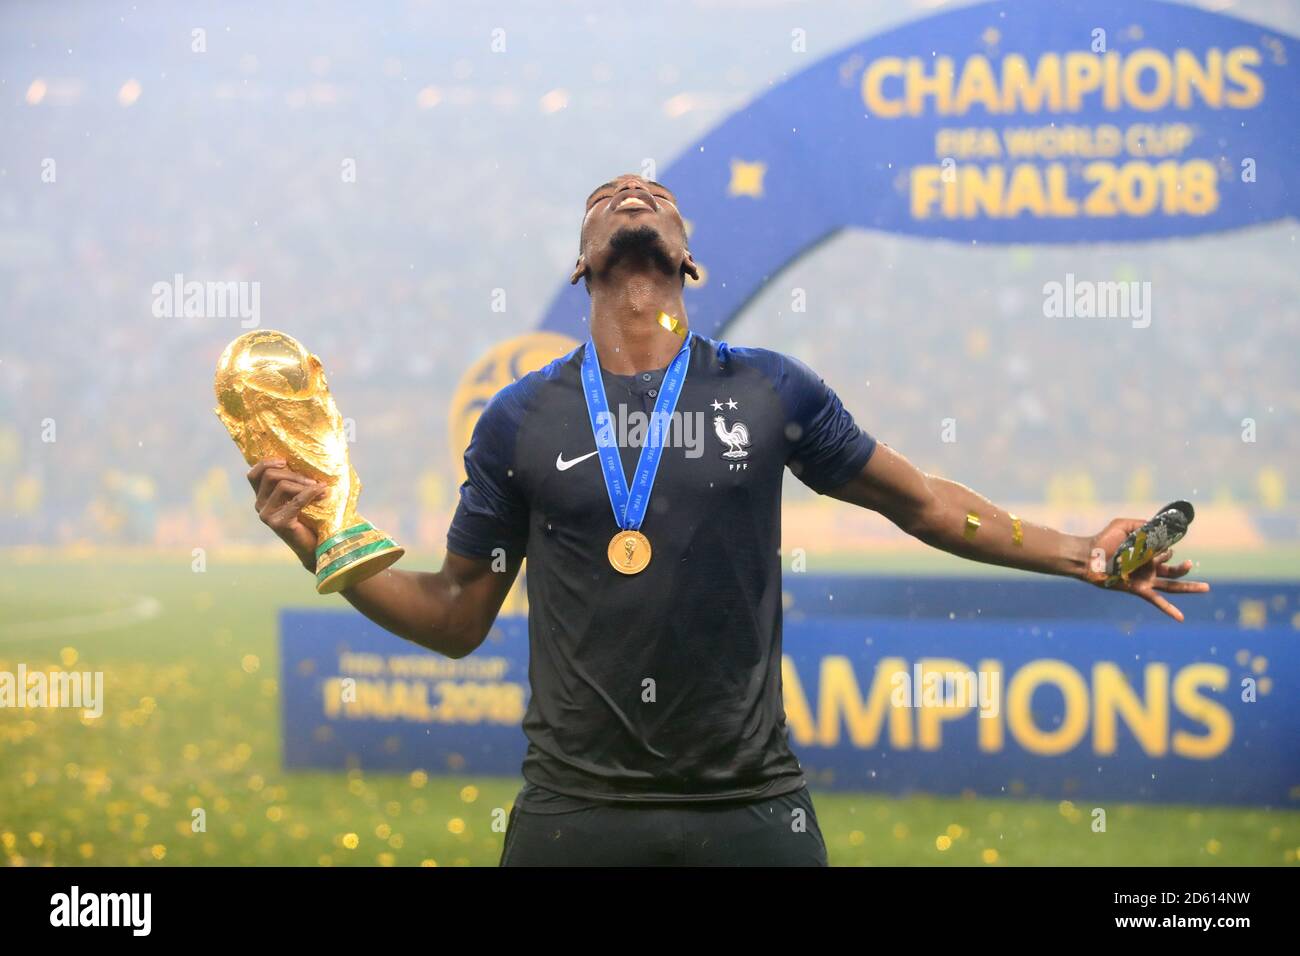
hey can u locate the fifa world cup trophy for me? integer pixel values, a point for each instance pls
(273, 399)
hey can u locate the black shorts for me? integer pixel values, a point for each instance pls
(776, 831)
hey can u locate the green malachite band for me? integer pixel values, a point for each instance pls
(347, 545)
(351, 556)
(345, 533)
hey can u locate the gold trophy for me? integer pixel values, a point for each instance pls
(273, 399)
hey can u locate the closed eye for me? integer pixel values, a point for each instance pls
(603, 197)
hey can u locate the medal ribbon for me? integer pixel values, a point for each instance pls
(630, 504)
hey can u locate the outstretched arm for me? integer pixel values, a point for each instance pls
(449, 611)
(953, 518)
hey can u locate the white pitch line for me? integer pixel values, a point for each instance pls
(144, 609)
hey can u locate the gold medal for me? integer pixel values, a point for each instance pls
(629, 552)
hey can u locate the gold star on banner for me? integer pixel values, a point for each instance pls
(746, 179)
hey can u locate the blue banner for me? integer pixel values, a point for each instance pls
(1010, 122)
(995, 687)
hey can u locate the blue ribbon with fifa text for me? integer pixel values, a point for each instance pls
(630, 504)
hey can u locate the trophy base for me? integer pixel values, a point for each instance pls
(353, 555)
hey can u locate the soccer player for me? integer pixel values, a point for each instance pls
(656, 730)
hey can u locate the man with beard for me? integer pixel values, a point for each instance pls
(656, 730)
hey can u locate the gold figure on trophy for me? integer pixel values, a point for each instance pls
(273, 399)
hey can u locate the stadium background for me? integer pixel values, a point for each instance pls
(471, 170)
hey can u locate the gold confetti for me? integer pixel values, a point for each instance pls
(1018, 539)
(351, 840)
(672, 324)
(942, 842)
(456, 825)
(989, 856)
(972, 525)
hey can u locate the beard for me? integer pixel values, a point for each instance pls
(640, 244)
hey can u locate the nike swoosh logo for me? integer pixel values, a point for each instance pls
(562, 465)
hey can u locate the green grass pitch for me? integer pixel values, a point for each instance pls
(193, 722)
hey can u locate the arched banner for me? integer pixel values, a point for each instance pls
(1009, 122)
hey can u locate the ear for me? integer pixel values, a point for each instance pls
(579, 270)
(690, 268)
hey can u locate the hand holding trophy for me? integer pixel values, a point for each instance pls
(273, 399)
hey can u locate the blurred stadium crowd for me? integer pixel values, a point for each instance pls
(470, 175)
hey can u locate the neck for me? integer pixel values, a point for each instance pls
(625, 325)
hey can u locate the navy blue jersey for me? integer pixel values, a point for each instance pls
(664, 685)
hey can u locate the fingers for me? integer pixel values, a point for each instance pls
(1162, 604)
(255, 473)
(271, 478)
(281, 493)
(279, 515)
(1173, 570)
(1180, 587)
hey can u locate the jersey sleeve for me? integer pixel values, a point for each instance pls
(492, 512)
(825, 446)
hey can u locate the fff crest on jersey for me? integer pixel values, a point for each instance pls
(734, 436)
